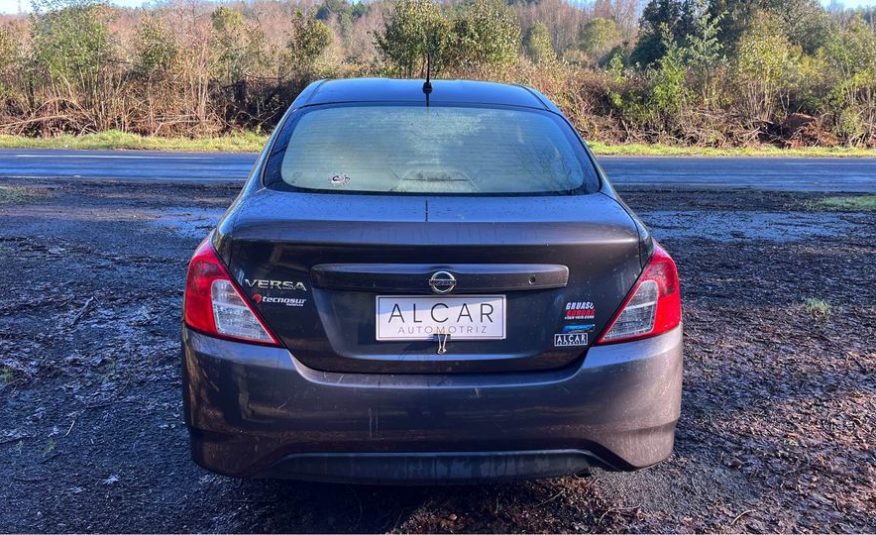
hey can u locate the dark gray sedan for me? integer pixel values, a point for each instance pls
(429, 283)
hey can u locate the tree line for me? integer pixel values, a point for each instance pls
(697, 72)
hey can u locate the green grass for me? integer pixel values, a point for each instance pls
(253, 142)
(857, 203)
(817, 308)
(14, 194)
(115, 140)
(603, 149)
(6, 374)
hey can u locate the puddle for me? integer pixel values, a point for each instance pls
(189, 222)
(745, 225)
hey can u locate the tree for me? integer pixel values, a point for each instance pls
(155, 56)
(155, 49)
(659, 17)
(484, 33)
(76, 56)
(310, 38)
(538, 45)
(851, 56)
(599, 36)
(359, 10)
(703, 47)
(472, 34)
(704, 53)
(71, 40)
(804, 22)
(764, 57)
(668, 93)
(10, 59)
(415, 29)
(625, 13)
(339, 11)
(327, 8)
(656, 100)
(230, 39)
(562, 18)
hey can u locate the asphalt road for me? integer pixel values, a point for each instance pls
(786, 174)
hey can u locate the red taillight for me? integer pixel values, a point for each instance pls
(653, 306)
(215, 306)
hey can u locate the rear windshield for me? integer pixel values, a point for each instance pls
(436, 150)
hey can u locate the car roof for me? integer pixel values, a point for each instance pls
(407, 90)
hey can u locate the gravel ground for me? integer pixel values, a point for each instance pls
(777, 428)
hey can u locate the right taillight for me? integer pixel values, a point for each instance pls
(653, 306)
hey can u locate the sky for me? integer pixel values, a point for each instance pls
(12, 6)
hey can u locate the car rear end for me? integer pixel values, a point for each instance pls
(464, 301)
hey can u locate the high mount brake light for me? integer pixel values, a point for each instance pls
(215, 306)
(653, 306)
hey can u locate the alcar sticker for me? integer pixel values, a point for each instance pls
(580, 310)
(570, 340)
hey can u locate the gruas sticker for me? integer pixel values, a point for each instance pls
(580, 310)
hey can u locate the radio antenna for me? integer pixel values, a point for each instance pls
(427, 85)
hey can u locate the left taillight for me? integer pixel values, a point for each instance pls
(214, 305)
(652, 307)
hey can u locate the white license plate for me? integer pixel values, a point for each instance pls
(463, 317)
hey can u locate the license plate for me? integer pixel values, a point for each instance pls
(463, 317)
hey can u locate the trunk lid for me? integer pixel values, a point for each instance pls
(314, 265)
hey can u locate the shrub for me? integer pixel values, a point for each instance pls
(485, 33)
(415, 30)
(10, 59)
(851, 56)
(310, 39)
(713, 72)
(764, 60)
(75, 56)
(598, 37)
(538, 46)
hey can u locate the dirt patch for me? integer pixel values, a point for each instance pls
(776, 433)
(747, 225)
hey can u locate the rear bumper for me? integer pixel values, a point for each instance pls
(257, 412)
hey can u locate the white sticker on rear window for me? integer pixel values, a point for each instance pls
(339, 180)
